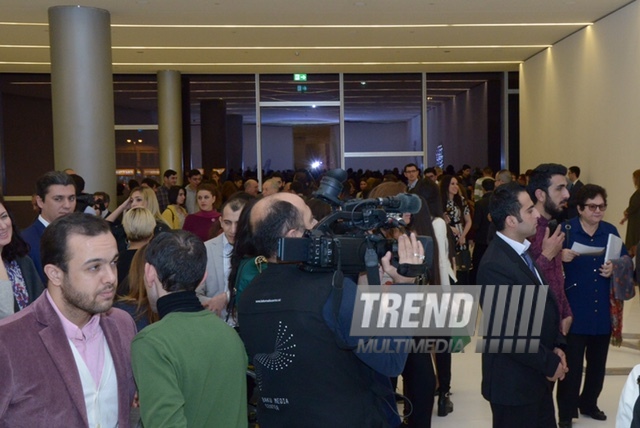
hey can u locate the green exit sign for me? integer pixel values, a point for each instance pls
(299, 77)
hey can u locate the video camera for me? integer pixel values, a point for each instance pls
(84, 200)
(342, 240)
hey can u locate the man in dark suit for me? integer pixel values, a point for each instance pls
(481, 225)
(518, 385)
(56, 197)
(574, 186)
(65, 359)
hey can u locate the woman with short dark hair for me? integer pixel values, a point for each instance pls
(597, 313)
(176, 213)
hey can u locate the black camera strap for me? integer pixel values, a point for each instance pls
(337, 287)
(371, 263)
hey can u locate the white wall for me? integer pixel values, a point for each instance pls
(382, 137)
(376, 137)
(580, 105)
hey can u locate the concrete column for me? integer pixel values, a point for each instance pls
(82, 95)
(170, 120)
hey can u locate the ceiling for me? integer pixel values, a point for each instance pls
(242, 37)
(282, 36)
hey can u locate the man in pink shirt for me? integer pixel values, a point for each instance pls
(65, 360)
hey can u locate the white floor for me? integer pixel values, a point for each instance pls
(471, 410)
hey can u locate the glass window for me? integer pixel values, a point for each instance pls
(299, 136)
(382, 112)
(137, 154)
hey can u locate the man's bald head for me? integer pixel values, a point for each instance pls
(263, 206)
(270, 187)
(251, 187)
(275, 217)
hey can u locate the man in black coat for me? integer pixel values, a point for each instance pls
(574, 186)
(481, 225)
(518, 384)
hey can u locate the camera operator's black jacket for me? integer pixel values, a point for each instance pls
(304, 377)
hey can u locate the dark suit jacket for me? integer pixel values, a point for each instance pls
(572, 210)
(480, 221)
(512, 378)
(32, 235)
(31, 280)
(39, 383)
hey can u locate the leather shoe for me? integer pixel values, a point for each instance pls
(565, 424)
(596, 414)
(445, 406)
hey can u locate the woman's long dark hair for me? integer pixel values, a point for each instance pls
(174, 191)
(430, 192)
(17, 247)
(421, 224)
(242, 247)
(445, 181)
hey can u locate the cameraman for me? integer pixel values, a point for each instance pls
(295, 326)
(84, 201)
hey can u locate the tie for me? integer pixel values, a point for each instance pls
(527, 258)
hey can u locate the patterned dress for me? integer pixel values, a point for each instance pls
(456, 218)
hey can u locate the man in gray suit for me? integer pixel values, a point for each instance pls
(65, 359)
(214, 291)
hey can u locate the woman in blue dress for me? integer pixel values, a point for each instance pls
(588, 288)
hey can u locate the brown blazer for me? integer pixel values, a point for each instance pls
(39, 383)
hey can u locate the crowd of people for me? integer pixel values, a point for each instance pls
(165, 301)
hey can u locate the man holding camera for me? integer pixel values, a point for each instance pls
(295, 326)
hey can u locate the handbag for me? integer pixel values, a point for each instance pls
(463, 260)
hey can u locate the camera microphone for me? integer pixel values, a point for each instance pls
(402, 203)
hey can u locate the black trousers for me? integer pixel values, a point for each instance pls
(478, 252)
(443, 369)
(537, 415)
(596, 349)
(419, 383)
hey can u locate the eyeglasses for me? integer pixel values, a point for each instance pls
(411, 170)
(592, 207)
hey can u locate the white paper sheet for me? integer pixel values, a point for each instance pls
(614, 248)
(587, 250)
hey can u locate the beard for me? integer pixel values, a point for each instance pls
(552, 209)
(91, 304)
